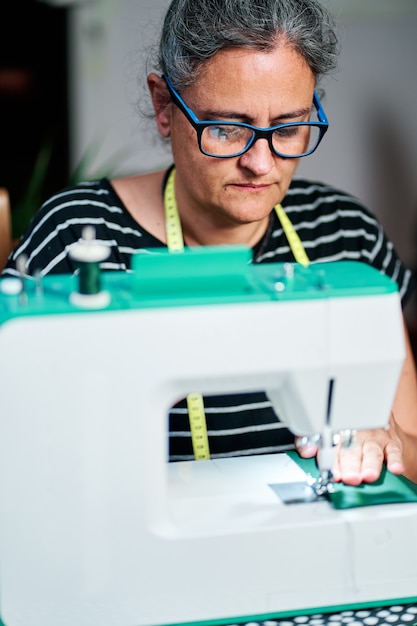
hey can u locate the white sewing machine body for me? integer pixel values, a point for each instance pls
(98, 529)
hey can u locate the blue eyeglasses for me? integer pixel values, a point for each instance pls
(225, 140)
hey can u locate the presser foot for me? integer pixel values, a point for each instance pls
(310, 490)
(323, 485)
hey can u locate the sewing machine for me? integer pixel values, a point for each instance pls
(98, 529)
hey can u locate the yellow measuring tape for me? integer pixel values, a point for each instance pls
(173, 229)
(195, 402)
(198, 426)
(175, 243)
(293, 239)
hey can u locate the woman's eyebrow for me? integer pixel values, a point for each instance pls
(233, 115)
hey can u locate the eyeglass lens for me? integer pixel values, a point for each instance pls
(226, 140)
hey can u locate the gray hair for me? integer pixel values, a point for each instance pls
(195, 30)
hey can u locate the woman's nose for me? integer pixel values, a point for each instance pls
(258, 159)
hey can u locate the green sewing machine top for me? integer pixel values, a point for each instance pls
(201, 275)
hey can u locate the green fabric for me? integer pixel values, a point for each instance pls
(387, 489)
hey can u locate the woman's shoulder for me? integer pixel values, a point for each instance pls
(142, 196)
(97, 192)
(139, 190)
(303, 190)
(310, 200)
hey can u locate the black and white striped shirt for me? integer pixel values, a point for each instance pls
(332, 226)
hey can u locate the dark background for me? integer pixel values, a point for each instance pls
(33, 98)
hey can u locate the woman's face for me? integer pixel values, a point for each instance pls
(262, 89)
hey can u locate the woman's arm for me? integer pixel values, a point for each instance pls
(405, 412)
(396, 445)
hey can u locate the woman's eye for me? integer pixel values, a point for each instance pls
(287, 132)
(225, 133)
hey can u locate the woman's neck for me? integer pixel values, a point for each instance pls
(204, 232)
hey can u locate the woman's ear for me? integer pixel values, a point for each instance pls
(160, 100)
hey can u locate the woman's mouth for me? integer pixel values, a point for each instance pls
(251, 187)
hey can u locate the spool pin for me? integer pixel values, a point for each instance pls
(88, 253)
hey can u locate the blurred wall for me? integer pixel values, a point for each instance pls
(371, 147)
(110, 46)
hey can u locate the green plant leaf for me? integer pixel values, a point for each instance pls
(25, 209)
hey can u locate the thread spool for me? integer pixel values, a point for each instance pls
(88, 254)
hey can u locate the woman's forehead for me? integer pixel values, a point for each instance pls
(247, 77)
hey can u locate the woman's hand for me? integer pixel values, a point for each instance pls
(395, 445)
(362, 461)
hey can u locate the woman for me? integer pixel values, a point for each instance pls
(249, 72)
